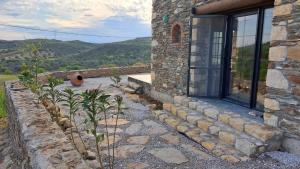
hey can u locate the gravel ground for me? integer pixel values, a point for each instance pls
(137, 113)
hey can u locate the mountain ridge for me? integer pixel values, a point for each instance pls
(76, 54)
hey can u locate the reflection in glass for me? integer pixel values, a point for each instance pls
(261, 90)
(206, 54)
(242, 57)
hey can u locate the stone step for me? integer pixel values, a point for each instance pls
(210, 142)
(254, 128)
(126, 89)
(231, 133)
(134, 85)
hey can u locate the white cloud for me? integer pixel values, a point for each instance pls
(72, 13)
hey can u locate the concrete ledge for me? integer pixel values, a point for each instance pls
(36, 140)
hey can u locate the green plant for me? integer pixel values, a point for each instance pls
(115, 77)
(94, 102)
(2, 104)
(71, 100)
(29, 73)
(51, 92)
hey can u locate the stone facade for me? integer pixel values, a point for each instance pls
(169, 68)
(282, 105)
(169, 60)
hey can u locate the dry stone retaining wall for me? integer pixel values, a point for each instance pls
(36, 139)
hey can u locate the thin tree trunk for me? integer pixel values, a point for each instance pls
(107, 137)
(97, 147)
(72, 137)
(79, 134)
(113, 157)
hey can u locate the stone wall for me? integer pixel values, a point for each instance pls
(102, 72)
(283, 80)
(169, 66)
(36, 140)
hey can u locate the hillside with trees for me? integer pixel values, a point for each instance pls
(72, 55)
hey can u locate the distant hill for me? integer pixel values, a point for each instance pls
(70, 55)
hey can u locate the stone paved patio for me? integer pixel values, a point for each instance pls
(144, 142)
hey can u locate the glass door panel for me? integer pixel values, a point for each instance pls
(264, 58)
(243, 39)
(206, 54)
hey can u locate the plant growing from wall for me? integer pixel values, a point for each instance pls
(53, 95)
(71, 100)
(29, 73)
(94, 102)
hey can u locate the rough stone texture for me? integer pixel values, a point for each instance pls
(133, 128)
(195, 150)
(212, 113)
(278, 53)
(204, 125)
(126, 151)
(112, 122)
(138, 140)
(170, 60)
(263, 133)
(169, 155)
(283, 73)
(227, 137)
(170, 138)
(137, 165)
(245, 146)
(35, 137)
(271, 104)
(276, 79)
(224, 118)
(193, 119)
(292, 145)
(237, 123)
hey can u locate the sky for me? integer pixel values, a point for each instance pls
(112, 20)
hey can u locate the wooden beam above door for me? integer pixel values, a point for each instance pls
(229, 5)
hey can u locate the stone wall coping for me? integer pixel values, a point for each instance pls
(101, 72)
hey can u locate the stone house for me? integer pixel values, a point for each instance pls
(236, 63)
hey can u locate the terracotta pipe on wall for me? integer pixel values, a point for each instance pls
(229, 5)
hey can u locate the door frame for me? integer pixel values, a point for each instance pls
(225, 61)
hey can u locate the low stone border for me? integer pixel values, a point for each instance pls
(102, 72)
(36, 139)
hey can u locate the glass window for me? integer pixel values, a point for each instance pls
(242, 57)
(264, 58)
